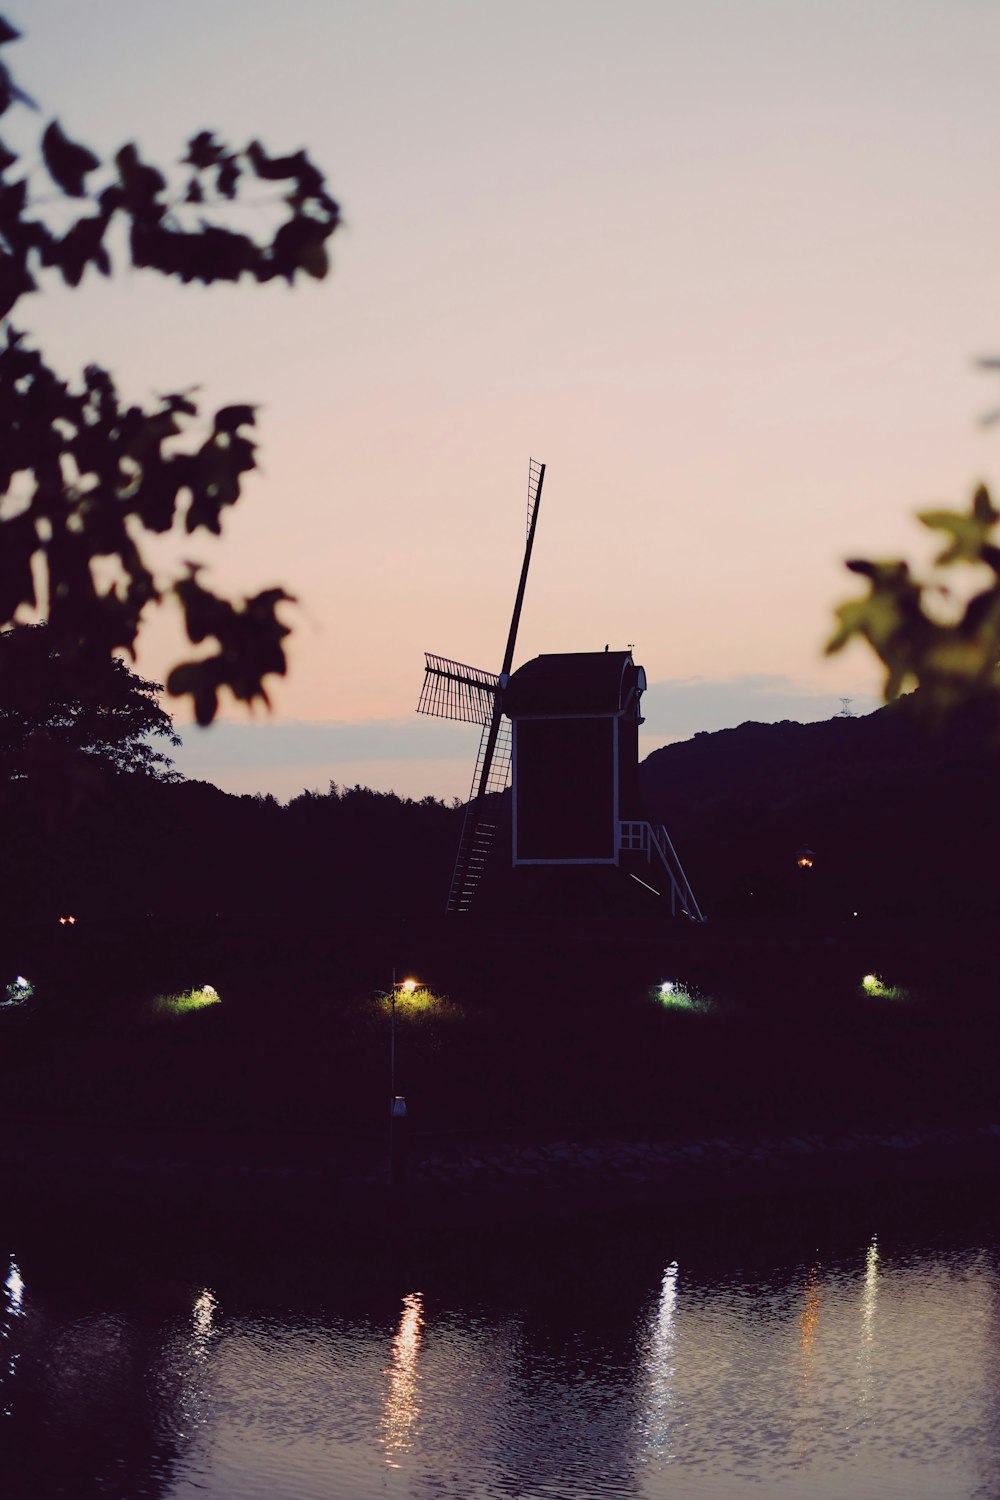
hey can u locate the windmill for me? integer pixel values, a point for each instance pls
(471, 695)
(568, 724)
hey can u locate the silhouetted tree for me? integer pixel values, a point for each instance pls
(45, 706)
(86, 478)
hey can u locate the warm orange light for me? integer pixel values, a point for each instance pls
(402, 1407)
(409, 985)
(804, 862)
(808, 1319)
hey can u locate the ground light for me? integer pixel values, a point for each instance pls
(674, 995)
(878, 990)
(19, 990)
(183, 1001)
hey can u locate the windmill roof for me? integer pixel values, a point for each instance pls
(572, 682)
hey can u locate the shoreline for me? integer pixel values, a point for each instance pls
(307, 1185)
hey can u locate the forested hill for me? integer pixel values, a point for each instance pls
(904, 821)
(135, 846)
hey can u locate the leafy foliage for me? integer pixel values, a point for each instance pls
(51, 713)
(86, 479)
(906, 621)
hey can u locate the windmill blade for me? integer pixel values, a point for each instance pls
(536, 478)
(493, 765)
(453, 690)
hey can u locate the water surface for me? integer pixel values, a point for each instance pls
(597, 1364)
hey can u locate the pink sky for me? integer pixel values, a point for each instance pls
(724, 267)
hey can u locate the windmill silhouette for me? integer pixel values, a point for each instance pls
(471, 695)
(570, 724)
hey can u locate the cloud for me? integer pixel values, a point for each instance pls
(266, 745)
(419, 756)
(678, 708)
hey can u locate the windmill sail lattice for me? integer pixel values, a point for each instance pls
(452, 690)
(536, 474)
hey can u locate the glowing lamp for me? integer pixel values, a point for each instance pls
(876, 987)
(409, 985)
(805, 859)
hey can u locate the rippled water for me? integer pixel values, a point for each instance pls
(603, 1366)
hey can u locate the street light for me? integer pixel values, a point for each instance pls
(407, 986)
(397, 1106)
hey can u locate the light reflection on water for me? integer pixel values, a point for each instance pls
(401, 1406)
(872, 1373)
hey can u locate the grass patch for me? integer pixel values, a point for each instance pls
(875, 987)
(420, 1004)
(18, 991)
(184, 1001)
(672, 994)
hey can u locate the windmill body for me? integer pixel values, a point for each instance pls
(567, 725)
(575, 738)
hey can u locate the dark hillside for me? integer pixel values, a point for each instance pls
(904, 820)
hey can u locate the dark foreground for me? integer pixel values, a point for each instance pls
(546, 1076)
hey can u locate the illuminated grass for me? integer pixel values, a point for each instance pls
(186, 1000)
(872, 985)
(673, 995)
(419, 1004)
(19, 990)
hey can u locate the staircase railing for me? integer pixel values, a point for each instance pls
(639, 837)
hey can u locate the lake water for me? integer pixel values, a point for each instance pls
(617, 1362)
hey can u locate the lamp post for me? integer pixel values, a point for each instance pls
(397, 1105)
(408, 986)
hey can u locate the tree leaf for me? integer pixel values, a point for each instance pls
(968, 533)
(10, 93)
(203, 151)
(68, 162)
(227, 177)
(140, 183)
(229, 418)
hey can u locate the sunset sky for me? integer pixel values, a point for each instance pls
(724, 265)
